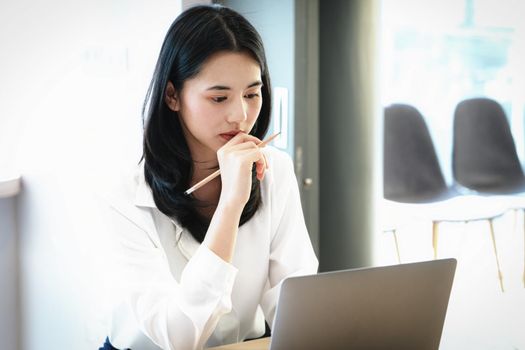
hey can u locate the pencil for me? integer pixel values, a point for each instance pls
(218, 172)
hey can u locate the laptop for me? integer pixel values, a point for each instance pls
(389, 307)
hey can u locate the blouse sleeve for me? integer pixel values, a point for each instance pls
(291, 252)
(173, 315)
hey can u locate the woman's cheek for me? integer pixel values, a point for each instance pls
(256, 113)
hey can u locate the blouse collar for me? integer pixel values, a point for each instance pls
(143, 195)
(144, 198)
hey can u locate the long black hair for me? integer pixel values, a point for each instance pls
(194, 36)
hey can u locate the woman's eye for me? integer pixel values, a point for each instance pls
(254, 95)
(219, 99)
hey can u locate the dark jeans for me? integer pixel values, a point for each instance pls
(107, 346)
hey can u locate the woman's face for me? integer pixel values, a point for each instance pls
(223, 99)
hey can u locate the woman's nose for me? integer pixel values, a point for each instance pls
(238, 112)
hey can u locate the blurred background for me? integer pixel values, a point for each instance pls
(73, 78)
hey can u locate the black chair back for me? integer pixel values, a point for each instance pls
(484, 156)
(411, 168)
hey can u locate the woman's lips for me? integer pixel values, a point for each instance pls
(229, 135)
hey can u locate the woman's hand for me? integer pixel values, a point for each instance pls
(236, 159)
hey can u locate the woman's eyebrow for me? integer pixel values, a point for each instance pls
(255, 83)
(223, 87)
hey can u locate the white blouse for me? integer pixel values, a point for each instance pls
(170, 292)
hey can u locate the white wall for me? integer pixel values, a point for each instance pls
(74, 75)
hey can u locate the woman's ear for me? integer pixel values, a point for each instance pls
(171, 97)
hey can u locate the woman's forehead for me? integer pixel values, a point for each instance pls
(230, 69)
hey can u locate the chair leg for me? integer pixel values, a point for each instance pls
(515, 220)
(435, 238)
(500, 275)
(523, 210)
(394, 232)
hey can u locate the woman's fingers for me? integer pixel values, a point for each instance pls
(259, 168)
(262, 166)
(239, 142)
(243, 146)
(255, 155)
(242, 137)
(245, 142)
(236, 159)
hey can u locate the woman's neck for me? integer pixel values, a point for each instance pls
(209, 193)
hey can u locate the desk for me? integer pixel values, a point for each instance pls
(258, 344)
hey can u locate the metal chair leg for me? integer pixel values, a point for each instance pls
(523, 210)
(394, 232)
(500, 275)
(514, 220)
(435, 238)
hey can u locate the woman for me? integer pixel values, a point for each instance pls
(205, 269)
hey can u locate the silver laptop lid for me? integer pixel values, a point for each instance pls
(390, 307)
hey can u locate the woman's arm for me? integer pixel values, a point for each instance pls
(236, 159)
(148, 300)
(291, 252)
(182, 315)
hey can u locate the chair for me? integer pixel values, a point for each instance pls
(411, 171)
(413, 181)
(484, 157)
(484, 154)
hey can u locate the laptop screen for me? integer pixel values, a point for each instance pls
(390, 307)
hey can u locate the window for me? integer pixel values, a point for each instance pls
(438, 53)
